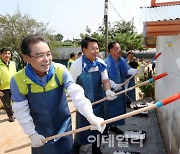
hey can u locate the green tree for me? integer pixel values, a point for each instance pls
(123, 27)
(129, 41)
(13, 28)
(121, 31)
(125, 33)
(99, 36)
(58, 37)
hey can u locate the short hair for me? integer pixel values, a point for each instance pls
(80, 53)
(110, 45)
(130, 52)
(4, 50)
(29, 40)
(84, 43)
(72, 55)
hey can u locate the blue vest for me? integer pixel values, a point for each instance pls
(51, 116)
(131, 93)
(117, 106)
(92, 84)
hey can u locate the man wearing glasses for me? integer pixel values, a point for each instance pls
(39, 100)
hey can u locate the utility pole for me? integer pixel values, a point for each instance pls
(133, 24)
(106, 26)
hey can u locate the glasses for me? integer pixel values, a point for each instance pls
(41, 55)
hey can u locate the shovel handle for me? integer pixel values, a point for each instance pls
(127, 115)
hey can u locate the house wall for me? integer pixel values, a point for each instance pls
(169, 116)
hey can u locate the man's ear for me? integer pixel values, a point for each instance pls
(26, 58)
(83, 50)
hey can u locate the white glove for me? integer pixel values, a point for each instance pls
(96, 122)
(139, 71)
(110, 95)
(115, 86)
(36, 140)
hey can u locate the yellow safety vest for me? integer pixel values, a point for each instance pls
(69, 61)
(22, 81)
(6, 72)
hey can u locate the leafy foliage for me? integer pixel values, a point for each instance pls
(16, 27)
(121, 31)
(147, 89)
(58, 37)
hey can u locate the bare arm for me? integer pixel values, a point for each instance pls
(107, 85)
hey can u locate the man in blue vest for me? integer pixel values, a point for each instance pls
(90, 72)
(39, 100)
(131, 95)
(7, 70)
(117, 68)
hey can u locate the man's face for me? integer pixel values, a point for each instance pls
(92, 51)
(74, 58)
(6, 56)
(130, 57)
(116, 51)
(40, 58)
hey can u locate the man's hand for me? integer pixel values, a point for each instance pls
(1, 94)
(36, 140)
(110, 95)
(139, 71)
(96, 122)
(117, 87)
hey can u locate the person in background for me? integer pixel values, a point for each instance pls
(39, 99)
(131, 60)
(153, 66)
(79, 54)
(90, 72)
(117, 68)
(131, 95)
(138, 60)
(71, 60)
(7, 70)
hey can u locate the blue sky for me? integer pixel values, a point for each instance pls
(70, 17)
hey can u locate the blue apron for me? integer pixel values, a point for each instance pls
(92, 84)
(117, 106)
(131, 93)
(51, 116)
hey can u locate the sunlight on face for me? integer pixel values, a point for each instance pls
(6, 56)
(40, 58)
(92, 51)
(116, 51)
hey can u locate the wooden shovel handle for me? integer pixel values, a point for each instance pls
(127, 115)
(87, 127)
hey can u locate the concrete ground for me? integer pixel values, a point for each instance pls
(152, 144)
(11, 135)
